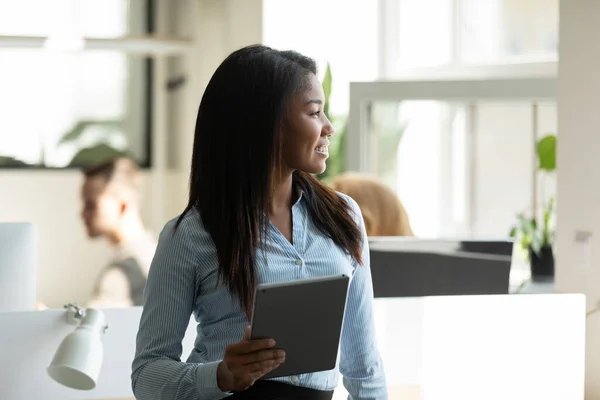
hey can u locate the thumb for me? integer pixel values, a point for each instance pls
(246, 334)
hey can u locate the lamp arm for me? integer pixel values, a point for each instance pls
(75, 313)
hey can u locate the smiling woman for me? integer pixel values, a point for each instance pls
(256, 214)
(307, 130)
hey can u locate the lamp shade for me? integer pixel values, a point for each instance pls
(77, 361)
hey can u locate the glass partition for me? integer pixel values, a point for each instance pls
(460, 169)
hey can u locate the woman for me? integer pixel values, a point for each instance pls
(255, 214)
(381, 208)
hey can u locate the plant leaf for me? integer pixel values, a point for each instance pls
(336, 164)
(525, 243)
(95, 155)
(536, 246)
(80, 127)
(546, 232)
(527, 225)
(327, 82)
(546, 153)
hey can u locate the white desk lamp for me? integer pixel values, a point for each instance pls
(77, 361)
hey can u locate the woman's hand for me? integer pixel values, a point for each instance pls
(245, 362)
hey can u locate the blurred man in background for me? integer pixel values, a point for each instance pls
(111, 197)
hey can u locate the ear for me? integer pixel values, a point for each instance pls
(123, 206)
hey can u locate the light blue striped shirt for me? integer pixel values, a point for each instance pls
(183, 280)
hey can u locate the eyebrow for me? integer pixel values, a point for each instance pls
(314, 101)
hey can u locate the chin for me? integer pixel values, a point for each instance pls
(315, 170)
(314, 167)
(93, 234)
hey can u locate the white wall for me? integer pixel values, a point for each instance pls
(68, 261)
(578, 193)
(504, 164)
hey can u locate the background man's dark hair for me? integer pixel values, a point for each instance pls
(122, 172)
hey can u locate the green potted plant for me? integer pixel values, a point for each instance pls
(536, 235)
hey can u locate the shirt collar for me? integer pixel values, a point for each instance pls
(300, 196)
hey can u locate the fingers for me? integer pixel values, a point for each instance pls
(251, 346)
(253, 372)
(246, 334)
(265, 355)
(265, 366)
(250, 359)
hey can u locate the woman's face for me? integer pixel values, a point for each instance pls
(306, 130)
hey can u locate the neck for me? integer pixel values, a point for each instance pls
(283, 196)
(130, 229)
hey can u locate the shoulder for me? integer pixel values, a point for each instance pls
(185, 232)
(182, 226)
(354, 208)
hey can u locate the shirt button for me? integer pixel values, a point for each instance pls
(298, 262)
(295, 379)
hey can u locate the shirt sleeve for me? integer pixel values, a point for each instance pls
(360, 362)
(157, 370)
(113, 290)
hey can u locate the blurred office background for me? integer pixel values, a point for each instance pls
(85, 79)
(82, 80)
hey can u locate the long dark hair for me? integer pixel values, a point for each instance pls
(237, 149)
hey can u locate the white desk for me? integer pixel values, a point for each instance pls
(483, 347)
(461, 347)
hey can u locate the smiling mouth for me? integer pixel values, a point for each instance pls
(322, 149)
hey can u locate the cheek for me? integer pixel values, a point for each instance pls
(307, 138)
(300, 141)
(108, 210)
(297, 150)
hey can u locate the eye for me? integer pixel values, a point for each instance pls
(316, 113)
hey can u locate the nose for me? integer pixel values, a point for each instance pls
(327, 129)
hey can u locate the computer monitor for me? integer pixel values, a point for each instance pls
(412, 267)
(18, 257)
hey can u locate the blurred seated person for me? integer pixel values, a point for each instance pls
(382, 211)
(111, 197)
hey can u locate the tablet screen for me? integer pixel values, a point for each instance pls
(305, 318)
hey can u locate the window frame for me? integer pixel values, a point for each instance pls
(389, 51)
(360, 142)
(520, 79)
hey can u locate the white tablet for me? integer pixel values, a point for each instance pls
(305, 318)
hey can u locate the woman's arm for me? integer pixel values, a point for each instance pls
(157, 372)
(360, 363)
